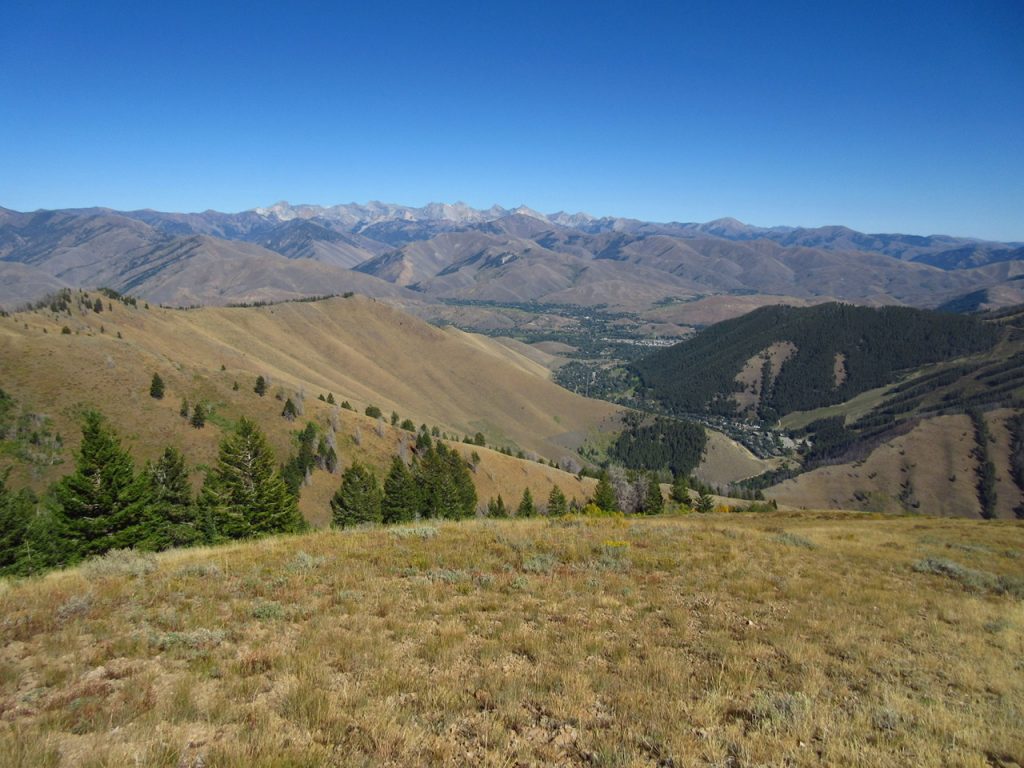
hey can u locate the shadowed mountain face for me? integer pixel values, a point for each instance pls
(443, 251)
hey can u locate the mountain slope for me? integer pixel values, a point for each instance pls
(96, 248)
(932, 469)
(836, 351)
(358, 349)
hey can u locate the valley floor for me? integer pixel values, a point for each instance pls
(742, 639)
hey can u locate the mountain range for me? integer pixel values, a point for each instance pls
(456, 252)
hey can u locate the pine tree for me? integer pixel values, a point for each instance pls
(604, 494)
(654, 503)
(705, 503)
(172, 518)
(101, 503)
(15, 519)
(462, 479)
(45, 543)
(330, 398)
(198, 419)
(496, 508)
(556, 502)
(445, 482)
(261, 386)
(401, 494)
(183, 410)
(681, 489)
(526, 507)
(243, 494)
(156, 387)
(290, 412)
(358, 499)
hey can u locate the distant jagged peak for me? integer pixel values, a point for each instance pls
(285, 211)
(566, 219)
(727, 225)
(523, 210)
(460, 212)
(375, 211)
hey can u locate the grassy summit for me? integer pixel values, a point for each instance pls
(706, 640)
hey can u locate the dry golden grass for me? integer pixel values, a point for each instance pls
(719, 640)
(726, 461)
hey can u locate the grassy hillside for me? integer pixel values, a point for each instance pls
(839, 351)
(359, 350)
(932, 469)
(707, 640)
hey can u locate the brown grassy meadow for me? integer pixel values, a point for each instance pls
(728, 640)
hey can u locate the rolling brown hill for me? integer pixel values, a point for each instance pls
(101, 248)
(358, 349)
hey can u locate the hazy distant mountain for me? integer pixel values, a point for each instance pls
(96, 247)
(524, 258)
(454, 251)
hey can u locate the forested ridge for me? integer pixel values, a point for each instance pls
(699, 375)
(660, 444)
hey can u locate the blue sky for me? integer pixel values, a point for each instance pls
(891, 116)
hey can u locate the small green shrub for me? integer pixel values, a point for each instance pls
(977, 581)
(447, 575)
(266, 610)
(778, 710)
(196, 639)
(200, 571)
(74, 607)
(415, 532)
(540, 563)
(121, 562)
(303, 561)
(794, 540)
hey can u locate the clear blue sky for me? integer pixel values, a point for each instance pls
(889, 116)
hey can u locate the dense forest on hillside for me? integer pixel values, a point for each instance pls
(698, 375)
(659, 444)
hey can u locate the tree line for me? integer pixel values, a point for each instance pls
(106, 504)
